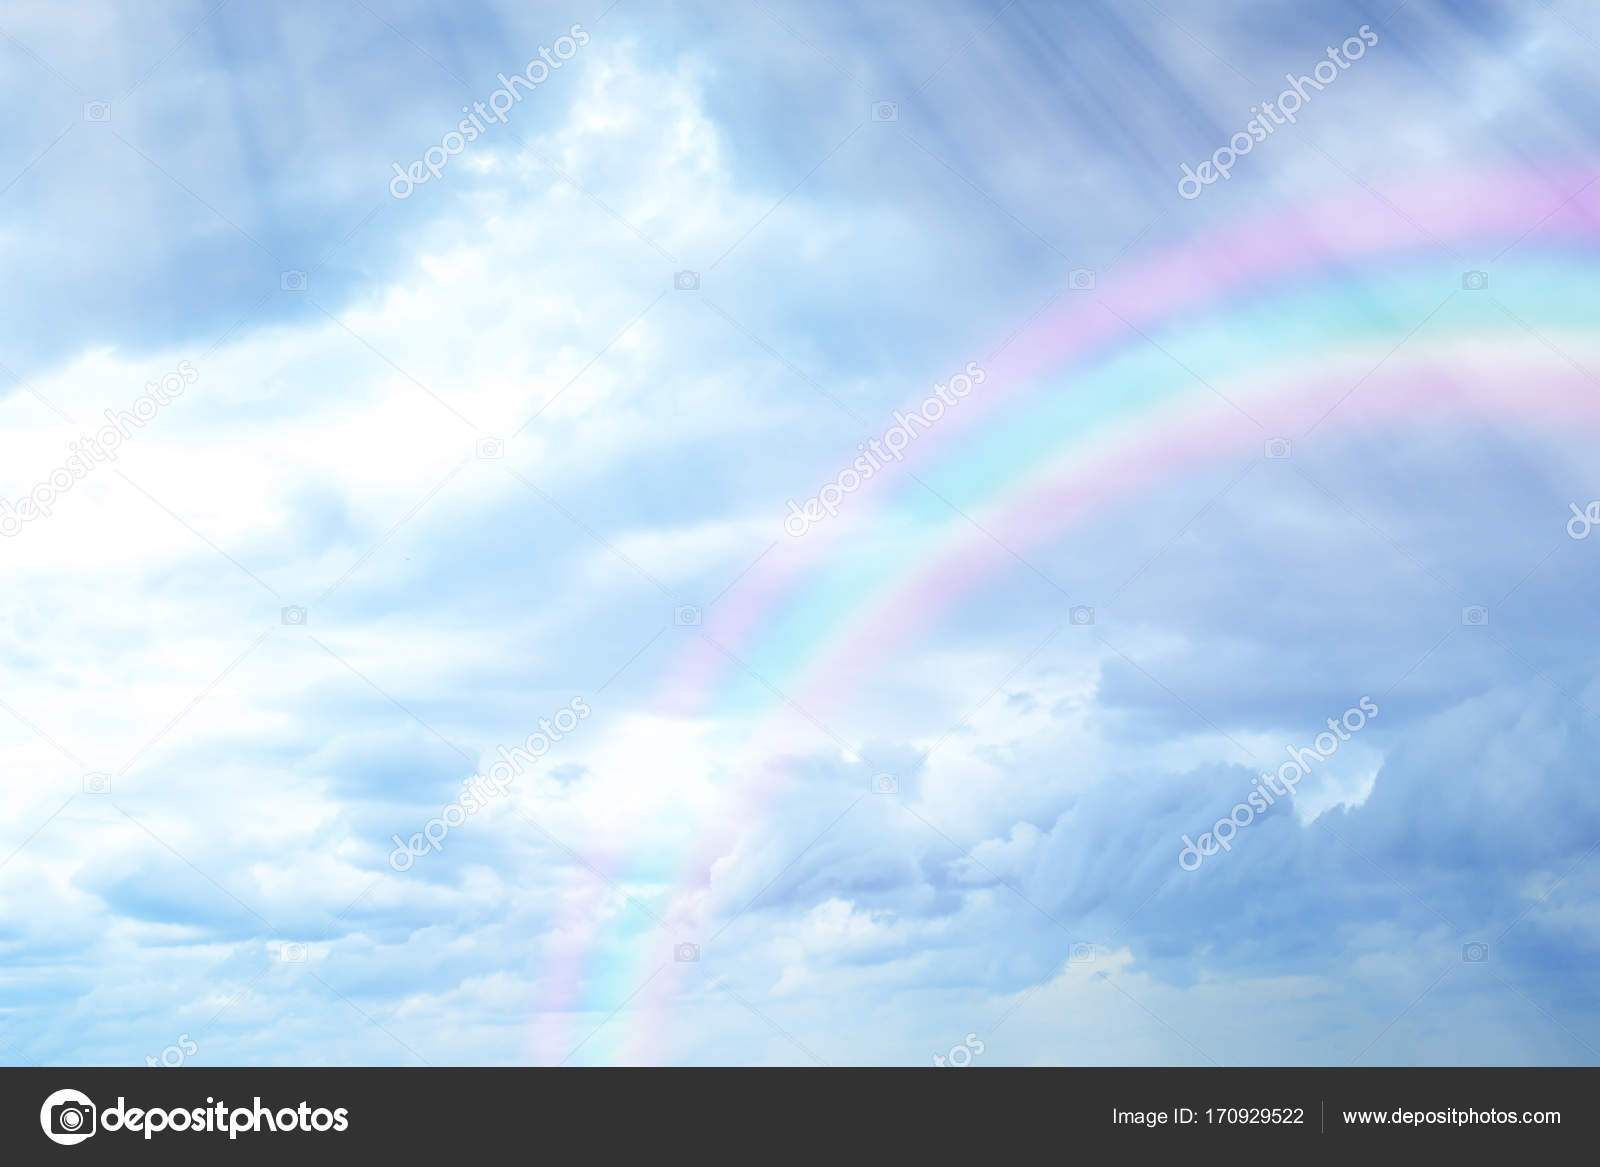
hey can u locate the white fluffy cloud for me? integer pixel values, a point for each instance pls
(1020, 883)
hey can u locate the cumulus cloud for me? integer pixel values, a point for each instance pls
(492, 458)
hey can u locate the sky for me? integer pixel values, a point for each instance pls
(788, 546)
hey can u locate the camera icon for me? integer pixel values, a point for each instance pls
(489, 448)
(68, 1117)
(685, 953)
(687, 281)
(1474, 281)
(885, 111)
(1475, 616)
(97, 111)
(687, 616)
(1080, 279)
(292, 281)
(1081, 952)
(1475, 952)
(1279, 449)
(886, 784)
(293, 615)
(97, 782)
(1081, 615)
(72, 1118)
(292, 953)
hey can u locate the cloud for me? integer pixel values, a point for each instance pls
(1021, 881)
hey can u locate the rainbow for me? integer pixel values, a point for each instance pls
(1346, 314)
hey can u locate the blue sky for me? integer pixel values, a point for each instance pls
(193, 783)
